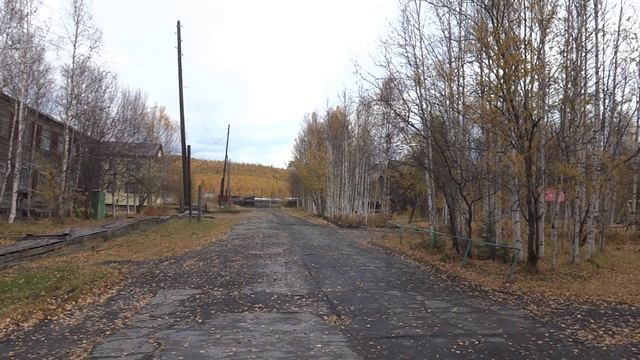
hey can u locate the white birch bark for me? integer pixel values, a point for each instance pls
(498, 216)
(515, 223)
(18, 158)
(577, 219)
(10, 156)
(555, 210)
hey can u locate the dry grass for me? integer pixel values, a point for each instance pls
(610, 276)
(372, 220)
(356, 221)
(307, 216)
(10, 233)
(47, 287)
(159, 211)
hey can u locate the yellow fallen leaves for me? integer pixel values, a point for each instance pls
(50, 288)
(604, 292)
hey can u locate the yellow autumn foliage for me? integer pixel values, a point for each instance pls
(246, 179)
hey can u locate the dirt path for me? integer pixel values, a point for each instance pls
(282, 288)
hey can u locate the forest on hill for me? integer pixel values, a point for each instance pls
(244, 180)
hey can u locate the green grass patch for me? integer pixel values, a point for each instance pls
(30, 292)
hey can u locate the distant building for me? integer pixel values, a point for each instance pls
(133, 174)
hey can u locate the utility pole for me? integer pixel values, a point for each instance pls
(224, 169)
(183, 140)
(229, 178)
(189, 178)
(200, 202)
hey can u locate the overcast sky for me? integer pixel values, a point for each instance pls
(257, 65)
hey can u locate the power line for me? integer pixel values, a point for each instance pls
(59, 14)
(141, 54)
(136, 42)
(208, 116)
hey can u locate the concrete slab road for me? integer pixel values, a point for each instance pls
(282, 288)
(277, 287)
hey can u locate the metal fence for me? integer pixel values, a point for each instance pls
(412, 225)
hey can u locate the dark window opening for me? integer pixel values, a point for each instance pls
(131, 187)
(5, 121)
(111, 187)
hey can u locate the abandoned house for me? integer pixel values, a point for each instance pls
(129, 173)
(133, 175)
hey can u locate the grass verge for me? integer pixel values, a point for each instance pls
(316, 219)
(610, 276)
(10, 233)
(48, 287)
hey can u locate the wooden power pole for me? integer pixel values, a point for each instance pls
(185, 195)
(224, 169)
(228, 191)
(200, 202)
(189, 178)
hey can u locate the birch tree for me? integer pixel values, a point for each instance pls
(25, 74)
(81, 42)
(526, 107)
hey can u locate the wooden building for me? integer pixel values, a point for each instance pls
(42, 149)
(95, 165)
(133, 175)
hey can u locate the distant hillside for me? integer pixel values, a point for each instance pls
(246, 179)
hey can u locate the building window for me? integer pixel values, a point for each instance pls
(60, 143)
(24, 179)
(133, 167)
(45, 139)
(55, 141)
(111, 187)
(131, 187)
(5, 120)
(29, 131)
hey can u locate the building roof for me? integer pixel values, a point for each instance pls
(121, 148)
(40, 114)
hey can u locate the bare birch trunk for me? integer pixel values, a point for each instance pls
(515, 215)
(64, 170)
(10, 155)
(18, 159)
(555, 210)
(577, 219)
(591, 228)
(595, 140)
(541, 226)
(498, 217)
(515, 222)
(634, 197)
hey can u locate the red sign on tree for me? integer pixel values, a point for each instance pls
(550, 195)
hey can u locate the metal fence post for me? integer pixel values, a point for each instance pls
(465, 260)
(434, 240)
(512, 271)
